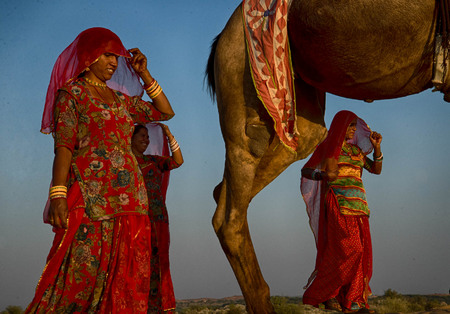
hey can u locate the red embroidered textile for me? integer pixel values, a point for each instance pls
(89, 267)
(80, 54)
(155, 169)
(344, 258)
(265, 25)
(344, 253)
(312, 191)
(101, 263)
(99, 135)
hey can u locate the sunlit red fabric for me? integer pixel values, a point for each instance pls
(57, 281)
(265, 29)
(80, 54)
(343, 265)
(312, 191)
(162, 297)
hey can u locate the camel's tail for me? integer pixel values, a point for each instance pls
(209, 71)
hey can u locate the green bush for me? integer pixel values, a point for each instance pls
(234, 309)
(282, 306)
(12, 309)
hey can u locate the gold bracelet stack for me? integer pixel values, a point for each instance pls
(153, 89)
(174, 145)
(57, 191)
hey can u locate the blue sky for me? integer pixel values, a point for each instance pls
(410, 219)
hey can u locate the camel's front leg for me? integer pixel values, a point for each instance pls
(230, 224)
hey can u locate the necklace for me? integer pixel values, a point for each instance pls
(101, 85)
(113, 106)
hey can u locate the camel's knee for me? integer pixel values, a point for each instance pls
(231, 236)
(217, 191)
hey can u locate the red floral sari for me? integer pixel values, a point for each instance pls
(155, 168)
(101, 262)
(94, 265)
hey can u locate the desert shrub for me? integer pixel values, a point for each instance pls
(282, 306)
(389, 293)
(235, 309)
(12, 309)
(193, 309)
(421, 303)
(392, 301)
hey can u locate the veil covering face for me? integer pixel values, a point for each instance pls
(78, 56)
(313, 191)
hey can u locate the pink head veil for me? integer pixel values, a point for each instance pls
(80, 54)
(313, 191)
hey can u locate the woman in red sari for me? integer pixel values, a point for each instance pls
(339, 216)
(100, 259)
(155, 169)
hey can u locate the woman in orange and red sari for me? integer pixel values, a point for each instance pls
(100, 259)
(156, 164)
(339, 215)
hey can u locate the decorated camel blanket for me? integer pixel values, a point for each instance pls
(265, 24)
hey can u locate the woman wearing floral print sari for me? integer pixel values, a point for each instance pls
(156, 163)
(100, 258)
(336, 203)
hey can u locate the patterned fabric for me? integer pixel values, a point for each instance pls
(265, 24)
(343, 266)
(89, 268)
(99, 264)
(344, 259)
(162, 297)
(89, 45)
(313, 191)
(152, 168)
(99, 136)
(348, 187)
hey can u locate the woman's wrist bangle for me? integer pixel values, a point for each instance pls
(379, 158)
(174, 145)
(147, 86)
(57, 195)
(57, 191)
(58, 188)
(153, 89)
(317, 175)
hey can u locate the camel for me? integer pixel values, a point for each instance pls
(362, 49)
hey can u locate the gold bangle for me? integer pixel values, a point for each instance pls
(58, 188)
(155, 93)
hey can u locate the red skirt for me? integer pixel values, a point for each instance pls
(162, 297)
(96, 266)
(344, 258)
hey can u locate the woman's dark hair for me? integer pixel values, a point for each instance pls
(137, 128)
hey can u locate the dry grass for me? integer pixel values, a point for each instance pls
(390, 302)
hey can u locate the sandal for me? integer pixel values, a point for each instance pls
(355, 308)
(333, 304)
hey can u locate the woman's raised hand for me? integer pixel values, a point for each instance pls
(138, 60)
(375, 138)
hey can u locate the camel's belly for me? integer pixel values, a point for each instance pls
(363, 49)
